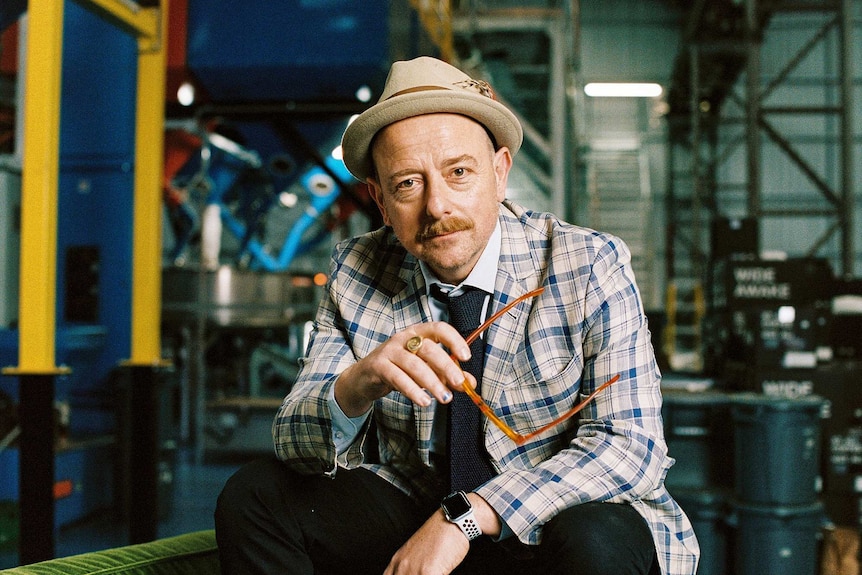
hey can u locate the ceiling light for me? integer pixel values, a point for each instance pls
(186, 94)
(622, 90)
(363, 94)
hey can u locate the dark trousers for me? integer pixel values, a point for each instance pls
(271, 520)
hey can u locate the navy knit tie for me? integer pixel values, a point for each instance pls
(469, 466)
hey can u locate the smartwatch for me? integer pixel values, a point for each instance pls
(458, 510)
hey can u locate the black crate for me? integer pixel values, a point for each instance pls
(734, 236)
(843, 509)
(845, 336)
(846, 332)
(773, 381)
(842, 430)
(746, 283)
(776, 336)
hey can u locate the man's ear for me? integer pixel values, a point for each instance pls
(502, 165)
(377, 194)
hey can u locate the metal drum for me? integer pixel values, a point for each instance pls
(777, 540)
(230, 297)
(777, 449)
(699, 436)
(708, 511)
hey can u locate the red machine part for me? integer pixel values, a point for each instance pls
(180, 145)
(9, 50)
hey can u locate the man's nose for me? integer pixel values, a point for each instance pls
(436, 198)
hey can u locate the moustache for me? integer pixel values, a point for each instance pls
(440, 227)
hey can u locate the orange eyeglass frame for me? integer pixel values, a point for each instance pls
(486, 410)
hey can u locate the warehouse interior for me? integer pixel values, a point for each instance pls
(170, 192)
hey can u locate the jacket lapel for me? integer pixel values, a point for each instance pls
(516, 275)
(410, 306)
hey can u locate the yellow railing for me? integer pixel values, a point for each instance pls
(137, 21)
(149, 164)
(672, 331)
(669, 333)
(40, 175)
(39, 181)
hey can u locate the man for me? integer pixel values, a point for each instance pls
(363, 444)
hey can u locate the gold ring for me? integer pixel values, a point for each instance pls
(413, 344)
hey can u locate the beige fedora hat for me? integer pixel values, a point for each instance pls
(427, 85)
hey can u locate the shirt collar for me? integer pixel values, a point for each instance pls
(484, 273)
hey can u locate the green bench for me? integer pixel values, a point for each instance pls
(192, 553)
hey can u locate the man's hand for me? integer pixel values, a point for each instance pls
(439, 546)
(391, 366)
(436, 549)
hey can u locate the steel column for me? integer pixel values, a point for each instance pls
(696, 166)
(848, 196)
(39, 181)
(144, 454)
(36, 368)
(147, 236)
(145, 361)
(560, 195)
(752, 107)
(36, 463)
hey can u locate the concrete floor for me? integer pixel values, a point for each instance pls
(195, 489)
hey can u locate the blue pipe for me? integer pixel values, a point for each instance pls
(324, 191)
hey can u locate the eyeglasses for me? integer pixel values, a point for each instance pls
(486, 410)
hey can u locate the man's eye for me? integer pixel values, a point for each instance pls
(405, 185)
(459, 172)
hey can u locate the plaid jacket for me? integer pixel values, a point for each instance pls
(586, 327)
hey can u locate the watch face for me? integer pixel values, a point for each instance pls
(456, 505)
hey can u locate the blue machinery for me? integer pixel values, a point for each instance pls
(300, 63)
(223, 166)
(323, 190)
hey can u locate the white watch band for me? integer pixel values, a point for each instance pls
(457, 509)
(468, 526)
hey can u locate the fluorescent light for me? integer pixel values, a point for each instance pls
(622, 90)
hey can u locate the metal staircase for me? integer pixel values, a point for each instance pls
(620, 202)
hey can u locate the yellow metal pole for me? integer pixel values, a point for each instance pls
(37, 368)
(128, 16)
(147, 233)
(39, 181)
